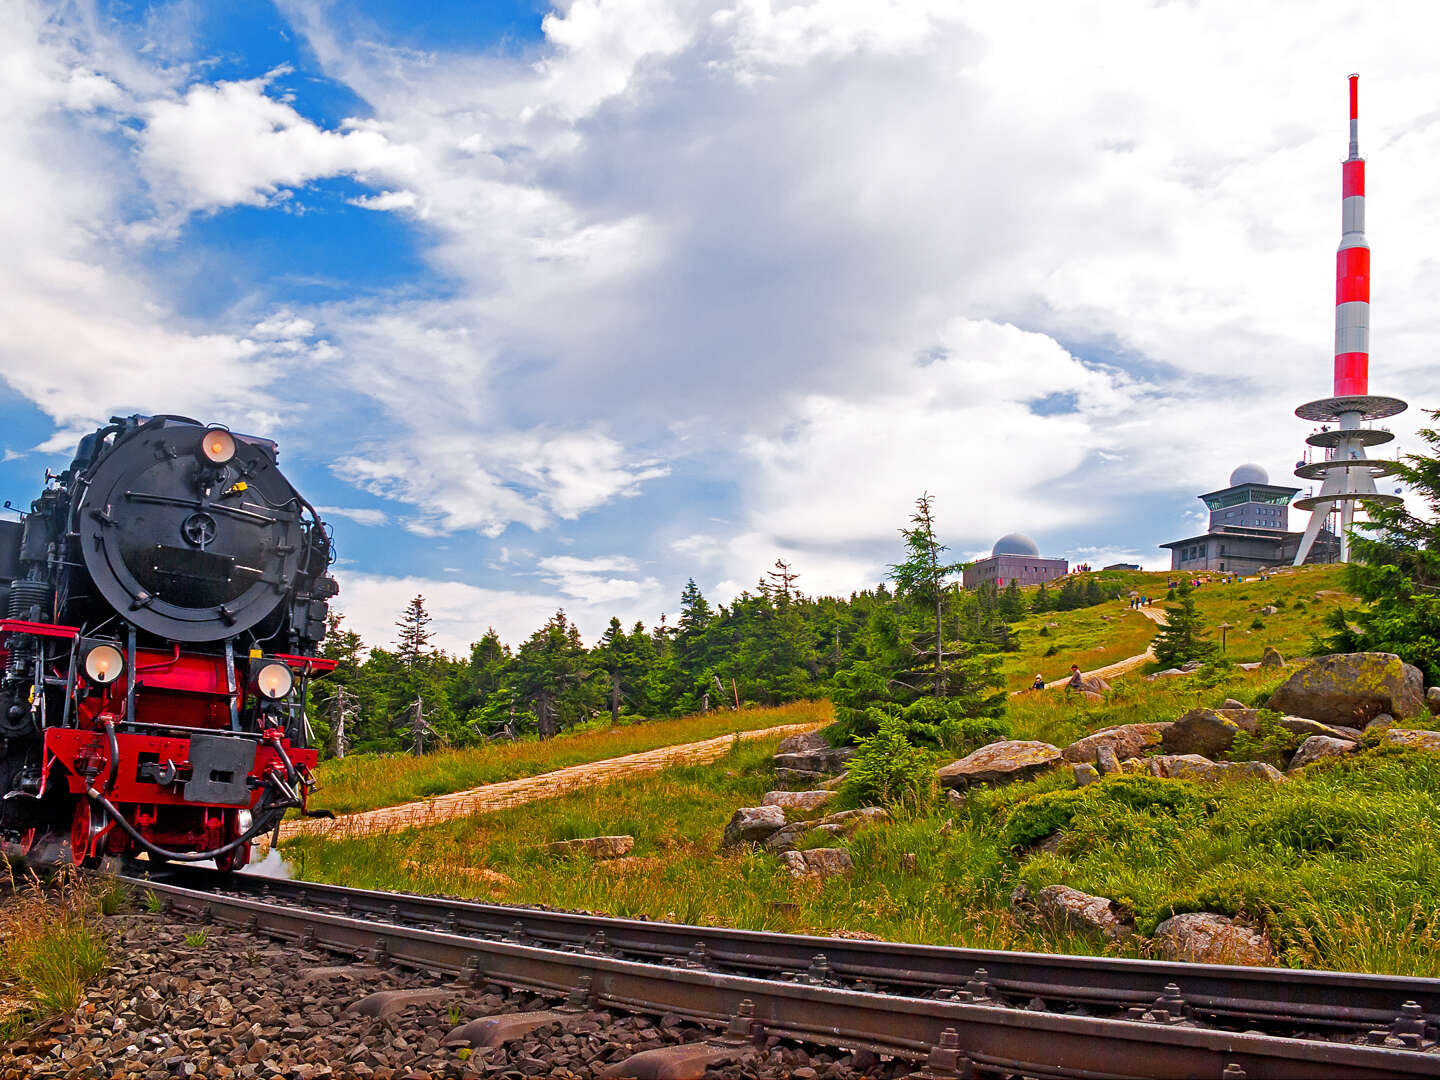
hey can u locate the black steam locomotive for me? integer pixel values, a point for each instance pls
(162, 601)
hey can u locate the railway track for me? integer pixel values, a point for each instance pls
(959, 1011)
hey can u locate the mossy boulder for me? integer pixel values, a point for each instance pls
(1413, 740)
(1127, 741)
(1206, 731)
(1320, 748)
(1351, 688)
(1000, 763)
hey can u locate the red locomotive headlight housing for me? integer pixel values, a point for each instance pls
(217, 446)
(273, 680)
(103, 664)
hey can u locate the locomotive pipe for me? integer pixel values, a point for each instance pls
(182, 856)
(290, 773)
(114, 770)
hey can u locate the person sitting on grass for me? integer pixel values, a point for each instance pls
(1039, 683)
(1077, 681)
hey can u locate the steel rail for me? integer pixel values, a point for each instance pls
(1295, 998)
(995, 1037)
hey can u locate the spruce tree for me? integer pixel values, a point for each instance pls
(1182, 638)
(550, 674)
(414, 640)
(1043, 600)
(922, 578)
(1012, 603)
(1395, 570)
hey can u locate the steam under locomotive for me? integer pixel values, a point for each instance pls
(162, 603)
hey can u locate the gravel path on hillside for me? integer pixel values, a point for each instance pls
(528, 789)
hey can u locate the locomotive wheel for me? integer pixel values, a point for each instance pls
(240, 857)
(85, 829)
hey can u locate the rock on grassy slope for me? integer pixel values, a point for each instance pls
(1336, 865)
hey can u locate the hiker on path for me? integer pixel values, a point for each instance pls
(1077, 680)
(1039, 683)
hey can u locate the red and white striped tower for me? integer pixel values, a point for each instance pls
(1348, 477)
(1352, 269)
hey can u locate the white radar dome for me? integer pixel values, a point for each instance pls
(1249, 474)
(1015, 544)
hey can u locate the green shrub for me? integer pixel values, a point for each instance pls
(942, 724)
(1310, 824)
(889, 770)
(1257, 623)
(1036, 818)
(1269, 742)
(1039, 816)
(1053, 650)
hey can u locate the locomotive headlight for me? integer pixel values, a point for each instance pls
(217, 446)
(103, 664)
(273, 680)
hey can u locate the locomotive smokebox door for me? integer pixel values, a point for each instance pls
(220, 766)
(188, 550)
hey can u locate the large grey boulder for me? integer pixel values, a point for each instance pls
(1203, 731)
(830, 759)
(1271, 658)
(1320, 748)
(751, 825)
(1351, 688)
(1080, 911)
(1299, 725)
(1197, 767)
(853, 819)
(842, 823)
(1432, 699)
(597, 847)
(1127, 741)
(804, 743)
(797, 800)
(818, 862)
(1000, 763)
(1200, 937)
(1106, 761)
(1414, 740)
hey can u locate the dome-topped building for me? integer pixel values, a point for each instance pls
(1249, 473)
(1016, 544)
(1249, 527)
(1015, 557)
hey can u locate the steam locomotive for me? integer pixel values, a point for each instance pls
(162, 601)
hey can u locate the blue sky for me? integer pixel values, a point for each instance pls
(561, 305)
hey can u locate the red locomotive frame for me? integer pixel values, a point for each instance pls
(129, 775)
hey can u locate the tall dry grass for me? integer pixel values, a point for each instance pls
(51, 945)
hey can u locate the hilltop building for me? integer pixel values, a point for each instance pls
(1015, 557)
(1249, 528)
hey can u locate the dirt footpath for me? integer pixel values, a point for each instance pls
(529, 788)
(1120, 667)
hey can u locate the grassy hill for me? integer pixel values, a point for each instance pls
(1096, 636)
(1340, 864)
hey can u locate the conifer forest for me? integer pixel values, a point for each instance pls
(768, 646)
